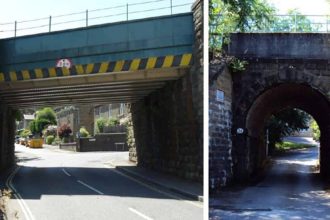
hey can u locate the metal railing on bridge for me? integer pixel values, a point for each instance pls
(87, 18)
(289, 23)
(284, 23)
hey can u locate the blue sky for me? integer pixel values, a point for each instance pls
(21, 10)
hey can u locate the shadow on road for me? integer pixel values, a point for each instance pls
(35, 182)
(291, 189)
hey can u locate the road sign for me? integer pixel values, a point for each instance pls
(240, 131)
(64, 63)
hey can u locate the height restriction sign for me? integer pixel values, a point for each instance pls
(64, 63)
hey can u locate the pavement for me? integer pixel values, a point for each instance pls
(186, 188)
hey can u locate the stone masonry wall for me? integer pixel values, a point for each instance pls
(220, 125)
(86, 117)
(7, 135)
(197, 69)
(166, 132)
(168, 124)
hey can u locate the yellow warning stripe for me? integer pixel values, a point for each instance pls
(183, 60)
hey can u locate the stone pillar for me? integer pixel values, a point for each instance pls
(197, 73)
(85, 118)
(7, 135)
(10, 152)
(128, 121)
(3, 137)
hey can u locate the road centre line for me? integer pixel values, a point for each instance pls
(26, 211)
(90, 187)
(68, 174)
(139, 214)
(84, 184)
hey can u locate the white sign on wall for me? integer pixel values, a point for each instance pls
(64, 63)
(220, 96)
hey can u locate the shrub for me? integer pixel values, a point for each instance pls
(50, 139)
(37, 126)
(101, 123)
(83, 132)
(57, 140)
(64, 131)
(113, 122)
(32, 126)
(47, 114)
(315, 130)
(25, 133)
(41, 124)
(50, 130)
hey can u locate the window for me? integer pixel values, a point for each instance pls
(110, 110)
(121, 109)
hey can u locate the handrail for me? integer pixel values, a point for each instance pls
(295, 23)
(86, 18)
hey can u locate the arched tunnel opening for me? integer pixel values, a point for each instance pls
(279, 98)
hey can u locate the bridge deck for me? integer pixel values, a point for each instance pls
(128, 83)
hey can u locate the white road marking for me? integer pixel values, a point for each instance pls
(27, 212)
(64, 171)
(139, 214)
(197, 204)
(90, 187)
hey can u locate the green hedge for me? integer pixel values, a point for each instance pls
(50, 139)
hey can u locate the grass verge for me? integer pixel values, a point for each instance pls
(287, 145)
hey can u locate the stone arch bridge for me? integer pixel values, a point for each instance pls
(285, 70)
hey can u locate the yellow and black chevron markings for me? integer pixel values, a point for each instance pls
(183, 60)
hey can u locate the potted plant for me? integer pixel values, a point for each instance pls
(36, 128)
(44, 117)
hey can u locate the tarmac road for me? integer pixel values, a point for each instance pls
(53, 184)
(291, 190)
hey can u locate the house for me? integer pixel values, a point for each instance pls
(86, 115)
(27, 118)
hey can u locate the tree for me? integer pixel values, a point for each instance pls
(285, 123)
(293, 22)
(227, 16)
(47, 114)
(43, 118)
